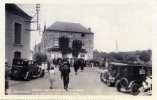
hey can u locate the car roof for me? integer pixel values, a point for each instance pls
(126, 65)
(117, 63)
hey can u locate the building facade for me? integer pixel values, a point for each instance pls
(73, 31)
(17, 34)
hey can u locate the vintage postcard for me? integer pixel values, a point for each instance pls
(78, 50)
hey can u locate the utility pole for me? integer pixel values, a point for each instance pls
(37, 11)
(37, 22)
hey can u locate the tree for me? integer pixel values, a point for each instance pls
(76, 47)
(64, 45)
(131, 58)
(145, 56)
(40, 57)
(116, 56)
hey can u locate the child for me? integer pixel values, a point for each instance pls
(51, 76)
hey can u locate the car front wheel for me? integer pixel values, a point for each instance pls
(135, 89)
(118, 86)
(42, 73)
(121, 84)
(108, 83)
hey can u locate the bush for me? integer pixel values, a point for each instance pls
(40, 57)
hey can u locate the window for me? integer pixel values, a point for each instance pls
(17, 34)
(56, 42)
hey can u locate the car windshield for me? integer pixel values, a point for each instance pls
(18, 62)
(30, 62)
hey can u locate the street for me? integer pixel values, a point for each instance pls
(86, 82)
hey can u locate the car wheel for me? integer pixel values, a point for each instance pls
(101, 77)
(28, 76)
(135, 89)
(118, 86)
(108, 83)
(121, 84)
(42, 74)
(11, 77)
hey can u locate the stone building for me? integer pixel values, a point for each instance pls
(17, 34)
(74, 31)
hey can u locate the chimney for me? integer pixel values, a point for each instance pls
(89, 29)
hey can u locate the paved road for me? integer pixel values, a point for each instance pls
(86, 82)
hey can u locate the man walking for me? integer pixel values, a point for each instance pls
(76, 66)
(82, 64)
(48, 65)
(65, 71)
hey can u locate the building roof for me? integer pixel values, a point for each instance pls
(68, 27)
(13, 8)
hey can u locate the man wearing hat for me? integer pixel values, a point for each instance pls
(65, 71)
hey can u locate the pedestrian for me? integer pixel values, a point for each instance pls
(65, 71)
(92, 65)
(48, 65)
(60, 67)
(76, 66)
(42, 66)
(55, 62)
(52, 76)
(82, 64)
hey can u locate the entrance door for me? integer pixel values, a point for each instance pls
(17, 55)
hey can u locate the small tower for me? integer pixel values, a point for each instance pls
(117, 49)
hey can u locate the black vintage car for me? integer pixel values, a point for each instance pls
(111, 74)
(25, 69)
(132, 78)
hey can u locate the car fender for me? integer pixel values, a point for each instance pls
(117, 82)
(125, 79)
(131, 83)
(120, 80)
(26, 75)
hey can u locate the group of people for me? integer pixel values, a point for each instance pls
(64, 68)
(79, 63)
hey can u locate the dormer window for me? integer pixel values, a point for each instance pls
(82, 35)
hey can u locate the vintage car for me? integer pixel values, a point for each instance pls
(111, 74)
(25, 69)
(131, 79)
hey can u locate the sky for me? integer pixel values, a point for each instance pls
(130, 24)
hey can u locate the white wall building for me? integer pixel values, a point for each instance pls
(73, 31)
(17, 34)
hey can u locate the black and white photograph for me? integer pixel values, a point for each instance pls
(78, 49)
